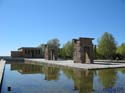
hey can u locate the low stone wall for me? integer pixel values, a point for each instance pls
(2, 66)
(66, 63)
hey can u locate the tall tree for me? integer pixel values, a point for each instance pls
(68, 49)
(121, 49)
(54, 43)
(106, 45)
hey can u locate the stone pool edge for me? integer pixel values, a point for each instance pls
(70, 64)
(2, 68)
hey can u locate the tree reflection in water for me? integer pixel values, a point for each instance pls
(107, 77)
(83, 79)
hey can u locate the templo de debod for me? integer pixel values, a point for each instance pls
(83, 51)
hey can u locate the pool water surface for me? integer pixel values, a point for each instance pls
(41, 78)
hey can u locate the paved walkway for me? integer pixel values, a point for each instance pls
(69, 63)
(2, 64)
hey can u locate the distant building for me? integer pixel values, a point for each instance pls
(27, 52)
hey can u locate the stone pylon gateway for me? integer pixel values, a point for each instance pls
(50, 53)
(83, 50)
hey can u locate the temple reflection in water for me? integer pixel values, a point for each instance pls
(51, 73)
(84, 81)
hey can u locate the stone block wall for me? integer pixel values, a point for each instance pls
(50, 53)
(83, 50)
(16, 54)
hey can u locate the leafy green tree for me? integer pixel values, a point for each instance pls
(54, 43)
(106, 46)
(62, 53)
(121, 49)
(95, 51)
(67, 50)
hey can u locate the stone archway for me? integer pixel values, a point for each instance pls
(50, 53)
(83, 50)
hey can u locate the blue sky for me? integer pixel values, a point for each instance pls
(31, 22)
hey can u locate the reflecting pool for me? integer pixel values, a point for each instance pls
(41, 78)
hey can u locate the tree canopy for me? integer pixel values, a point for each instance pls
(106, 46)
(67, 50)
(121, 49)
(54, 43)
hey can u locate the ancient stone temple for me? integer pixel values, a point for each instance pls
(27, 52)
(83, 50)
(50, 53)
